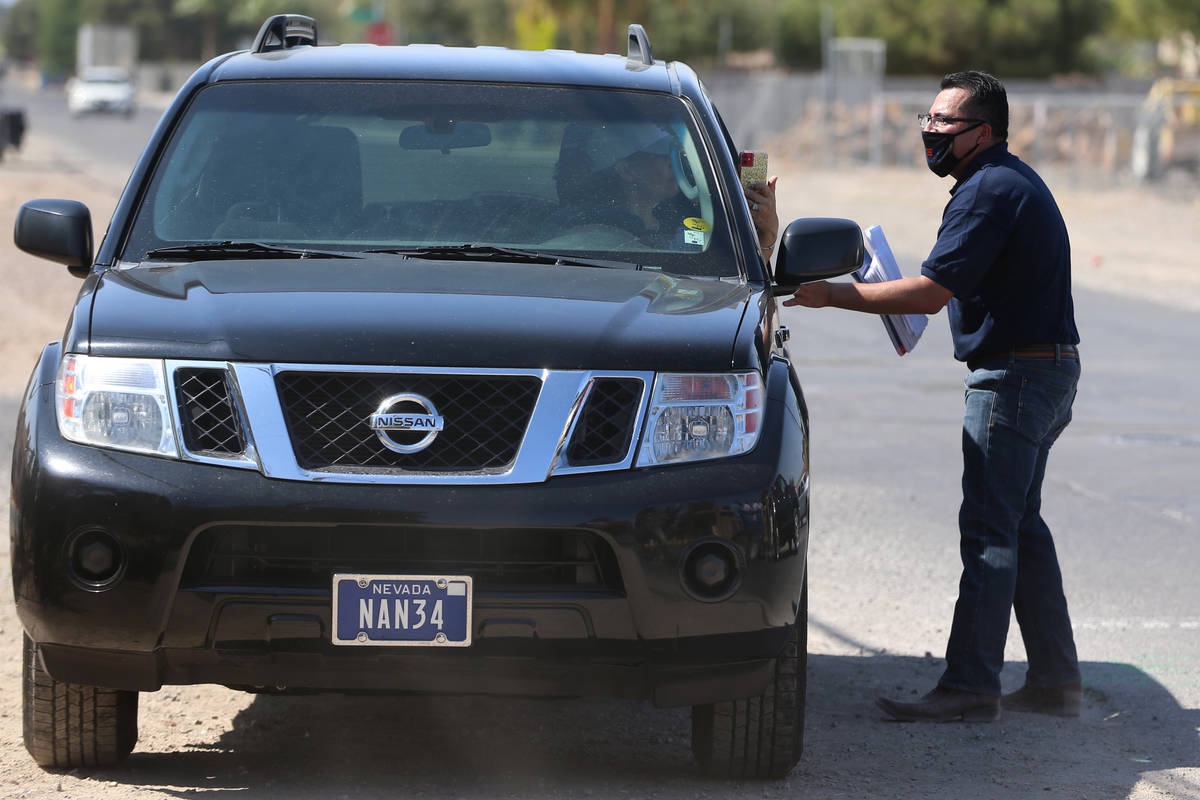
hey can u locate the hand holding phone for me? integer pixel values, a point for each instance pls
(753, 167)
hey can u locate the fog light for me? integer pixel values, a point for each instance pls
(711, 570)
(95, 559)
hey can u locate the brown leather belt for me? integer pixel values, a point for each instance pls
(1031, 351)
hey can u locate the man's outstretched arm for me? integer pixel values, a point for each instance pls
(918, 295)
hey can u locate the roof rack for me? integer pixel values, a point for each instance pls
(639, 46)
(283, 31)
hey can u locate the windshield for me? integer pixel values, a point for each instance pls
(398, 165)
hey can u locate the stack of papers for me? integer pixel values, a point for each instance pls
(903, 329)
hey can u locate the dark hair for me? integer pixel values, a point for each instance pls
(987, 101)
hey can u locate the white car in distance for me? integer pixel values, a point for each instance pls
(101, 89)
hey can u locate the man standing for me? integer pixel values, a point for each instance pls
(1002, 264)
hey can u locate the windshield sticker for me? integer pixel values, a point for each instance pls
(695, 237)
(697, 224)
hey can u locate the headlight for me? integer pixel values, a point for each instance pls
(115, 402)
(702, 416)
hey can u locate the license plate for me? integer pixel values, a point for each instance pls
(412, 610)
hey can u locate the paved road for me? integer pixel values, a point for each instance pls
(1121, 495)
(111, 141)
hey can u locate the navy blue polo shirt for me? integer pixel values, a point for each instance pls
(1002, 249)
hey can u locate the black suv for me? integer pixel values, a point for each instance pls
(421, 369)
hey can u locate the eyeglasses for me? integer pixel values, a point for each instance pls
(941, 121)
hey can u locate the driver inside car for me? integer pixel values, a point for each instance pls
(652, 192)
(628, 182)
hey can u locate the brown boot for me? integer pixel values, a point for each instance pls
(944, 705)
(1061, 701)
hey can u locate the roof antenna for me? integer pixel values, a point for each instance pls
(639, 46)
(283, 31)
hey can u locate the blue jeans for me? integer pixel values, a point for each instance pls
(1015, 409)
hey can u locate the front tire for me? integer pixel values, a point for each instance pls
(67, 725)
(763, 736)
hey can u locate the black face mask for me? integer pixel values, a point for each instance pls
(939, 150)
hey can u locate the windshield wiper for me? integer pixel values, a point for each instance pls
(216, 251)
(496, 253)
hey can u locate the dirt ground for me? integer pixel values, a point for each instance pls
(201, 740)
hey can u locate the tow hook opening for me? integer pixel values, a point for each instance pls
(95, 559)
(711, 570)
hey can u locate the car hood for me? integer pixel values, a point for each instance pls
(102, 91)
(390, 311)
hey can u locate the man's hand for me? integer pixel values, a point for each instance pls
(811, 295)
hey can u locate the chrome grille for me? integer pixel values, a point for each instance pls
(327, 418)
(606, 423)
(500, 560)
(209, 420)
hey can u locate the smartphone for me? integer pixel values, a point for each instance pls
(753, 167)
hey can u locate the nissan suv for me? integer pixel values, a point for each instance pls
(421, 369)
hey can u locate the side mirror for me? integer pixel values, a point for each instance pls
(816, 249)
(60, 230)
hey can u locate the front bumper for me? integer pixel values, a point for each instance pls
(91, 104)
(174, 618)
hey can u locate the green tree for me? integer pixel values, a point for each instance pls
(229, 24)
(139, 13)
(58, 23)
(534, 25)
(20, 31)
(449, 22)
(210, 13)
(1152, 19)
(1012, 38)
(798, 28)
(688, 30)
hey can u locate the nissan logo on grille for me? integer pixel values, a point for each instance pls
(406, 423)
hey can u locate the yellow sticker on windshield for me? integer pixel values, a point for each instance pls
(697, 224)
